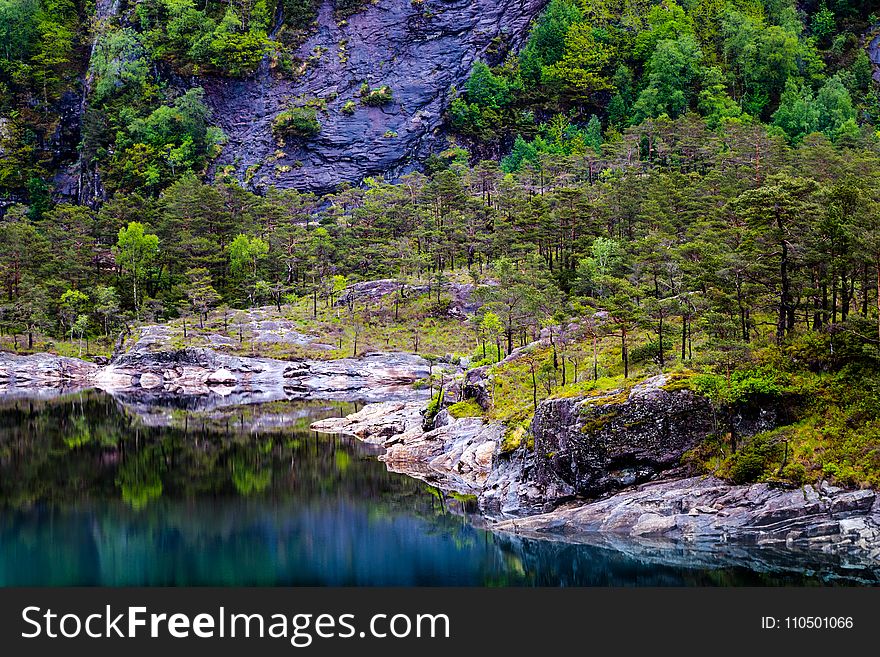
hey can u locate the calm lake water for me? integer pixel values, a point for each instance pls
(91, 494)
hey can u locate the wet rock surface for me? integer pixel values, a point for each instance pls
(657, 553)
(873, 48)
(43, 370)
(647, 431)
(419, 50)
(819, 518)
(151, 372)
(457, 455)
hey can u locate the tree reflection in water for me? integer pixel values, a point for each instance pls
(92, 493)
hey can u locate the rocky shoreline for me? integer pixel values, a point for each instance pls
(608, 466)
(152, 372)
(603, 465)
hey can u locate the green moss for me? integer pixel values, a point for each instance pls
(349, 108)
(679, 380)
(514, 437)
(466, 408)
(596, 422)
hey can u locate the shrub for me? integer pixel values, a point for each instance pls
(297, 122)
(754, 460)
(648, 352)
(433, 408)
(741, 386)
(348, 108)
(376, 97)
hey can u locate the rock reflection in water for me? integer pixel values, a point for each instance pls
(94, 491)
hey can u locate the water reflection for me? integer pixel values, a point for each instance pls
(92, 493)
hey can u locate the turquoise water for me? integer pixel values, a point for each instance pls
(92, 495)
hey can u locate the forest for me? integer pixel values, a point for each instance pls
(653, 187)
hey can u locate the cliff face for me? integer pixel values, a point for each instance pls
(588, 446)
(419, 50)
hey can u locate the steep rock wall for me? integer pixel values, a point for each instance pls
(420, 50)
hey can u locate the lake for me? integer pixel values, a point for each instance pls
(96, 491)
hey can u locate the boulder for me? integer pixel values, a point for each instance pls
(220, 377)
(149, 380)
(375, 423)
(456, 455)
(591, 445)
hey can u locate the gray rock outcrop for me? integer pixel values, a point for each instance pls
(824, 518)
(457, 455)
(43, 371)
(151, 372)
(588, 446)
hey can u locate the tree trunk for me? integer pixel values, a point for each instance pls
(534, 387)
(782, 319)
(660, 336)
(684, 326)
(595, 359)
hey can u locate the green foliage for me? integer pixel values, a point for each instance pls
(673, 72)
(730, 62)
(831, 111)
(836, 114)
(797, 115)
(648, 352)
(546, 44)
(135, 252)
(823, 24)
(377, 97)
(753, 461)
(583, 69)
(300, 122)
(486, 89)
(434, 406)
(741, 386)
